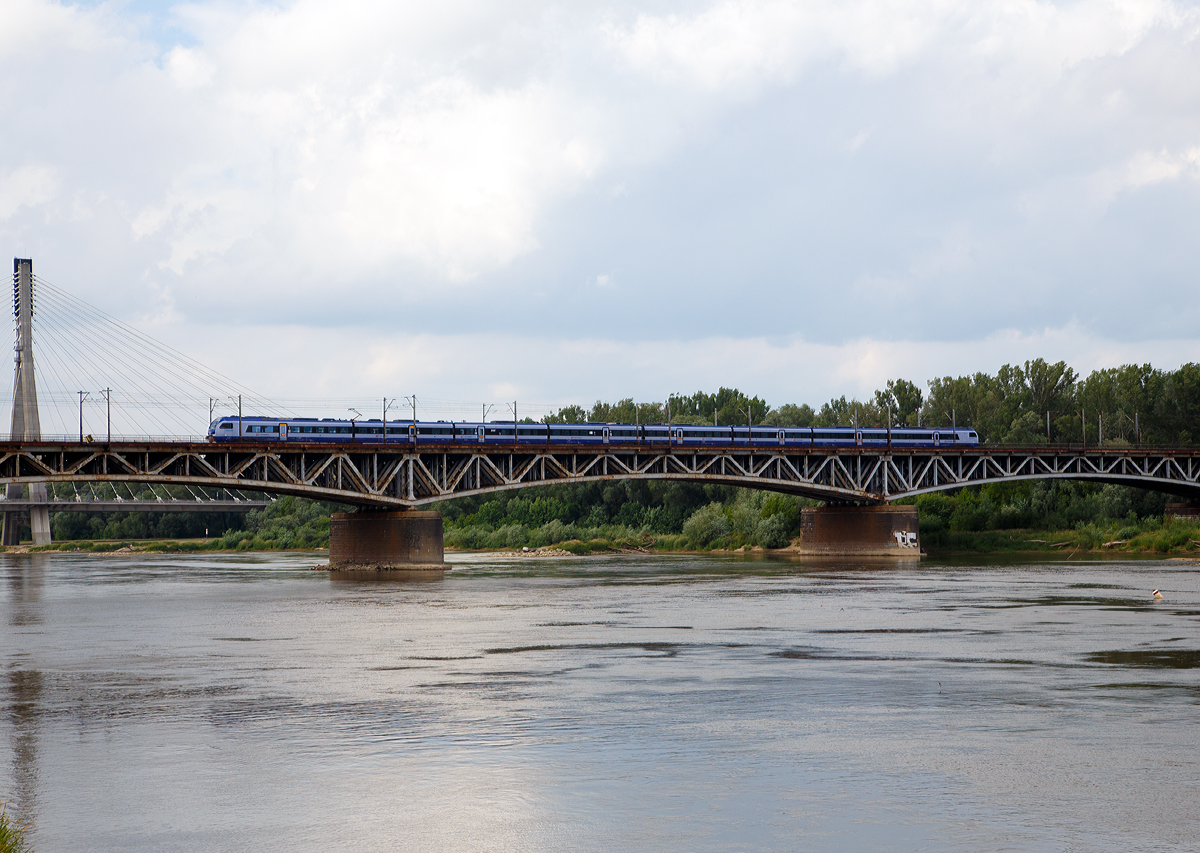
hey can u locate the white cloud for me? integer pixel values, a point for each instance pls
(742, 44)
(189, 69)
(27, 186)
(1147, 168)
(831, 174)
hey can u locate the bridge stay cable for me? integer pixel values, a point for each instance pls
(137, 347)
(146, 373)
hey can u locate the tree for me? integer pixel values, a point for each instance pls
(568, 415)
(903, 399)
(790, 415)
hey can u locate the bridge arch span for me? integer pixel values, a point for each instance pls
(398, 476)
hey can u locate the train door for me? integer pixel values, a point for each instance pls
(781, 437)
(936, 440)
(479, 430)
(605, 434)
(412, 433)
(858, 437)
(283, 432)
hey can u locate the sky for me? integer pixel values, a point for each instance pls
(563, 202)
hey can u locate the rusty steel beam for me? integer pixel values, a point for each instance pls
(398, 476)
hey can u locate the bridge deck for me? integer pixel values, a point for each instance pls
(399, 475)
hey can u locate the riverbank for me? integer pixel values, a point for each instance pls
(1175, 537)
(158, 546)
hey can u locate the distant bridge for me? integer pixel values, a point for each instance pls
(400, 476)
(66, 505)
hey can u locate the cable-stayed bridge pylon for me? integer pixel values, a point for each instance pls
(26, 415)
(25, 420)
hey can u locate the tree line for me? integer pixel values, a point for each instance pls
(1130, 403)
(1032, 403)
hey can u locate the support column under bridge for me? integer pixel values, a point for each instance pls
(25, 423)
(860, 531)
(379, 545)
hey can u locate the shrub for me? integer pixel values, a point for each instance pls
(1088, 536)
(772, 532)
(706, 526)
(12, 833)
(744, 518)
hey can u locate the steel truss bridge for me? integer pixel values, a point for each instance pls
(399, 476)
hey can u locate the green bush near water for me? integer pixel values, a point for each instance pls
(637, 514)
(12, 833)
(287, 524)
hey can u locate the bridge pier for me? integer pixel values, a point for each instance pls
(376, 545)
(860, 531)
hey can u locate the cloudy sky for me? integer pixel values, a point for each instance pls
(560, 202)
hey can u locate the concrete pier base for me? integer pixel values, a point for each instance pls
(386, 546)
(1187, 510)
(860, 531)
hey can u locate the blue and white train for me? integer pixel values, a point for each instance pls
(327, 430)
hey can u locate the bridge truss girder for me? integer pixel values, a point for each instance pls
(396, 476)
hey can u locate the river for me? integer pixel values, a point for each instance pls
(665, 703)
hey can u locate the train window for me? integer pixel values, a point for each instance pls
(226, 426)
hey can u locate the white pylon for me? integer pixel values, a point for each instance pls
(26, 426)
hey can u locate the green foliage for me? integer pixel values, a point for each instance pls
(12, 833)
(648, 511)
(727, 406)
(903, 400)
(772, 532)
(707, 526)
(288, 523)
(790, 415)
(1090, 515)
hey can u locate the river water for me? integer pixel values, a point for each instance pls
(206, 703)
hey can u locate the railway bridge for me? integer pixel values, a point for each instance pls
(393, 480)
(400, 478)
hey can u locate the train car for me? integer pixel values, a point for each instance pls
(331, 430)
